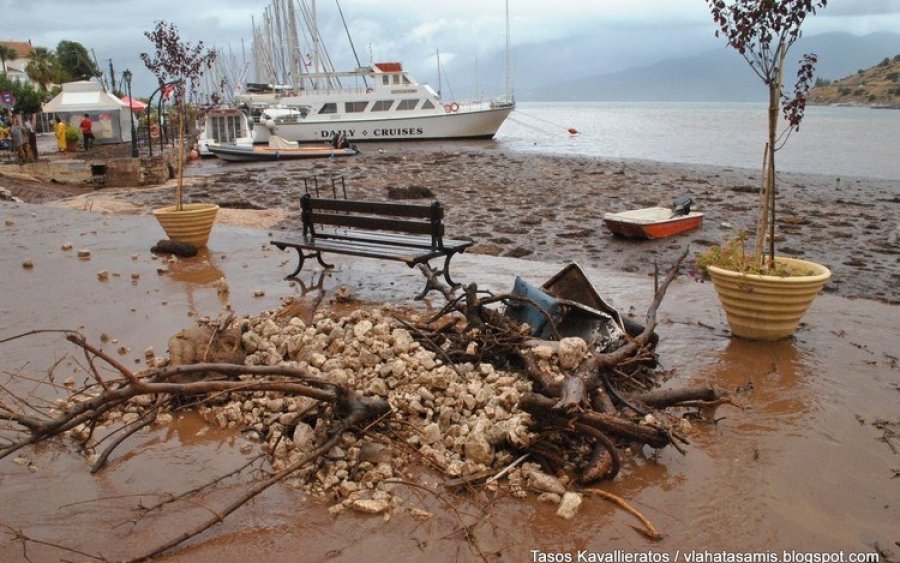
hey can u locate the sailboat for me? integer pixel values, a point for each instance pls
(377, 102)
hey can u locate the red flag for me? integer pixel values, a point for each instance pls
(167, 91)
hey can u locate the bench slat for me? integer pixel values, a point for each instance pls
(391, 238)
(357, 248)
(366, 222)
(375, 208)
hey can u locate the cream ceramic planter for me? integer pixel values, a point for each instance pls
(768, 307)
(191, 225)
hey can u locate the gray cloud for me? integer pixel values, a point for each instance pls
(407, 31)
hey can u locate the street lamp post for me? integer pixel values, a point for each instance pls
(134, 147)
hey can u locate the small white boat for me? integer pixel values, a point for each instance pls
(224, 125)
(278, 149)
(655, 222)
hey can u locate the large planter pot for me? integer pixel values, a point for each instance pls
(768, 307)
(192, 224)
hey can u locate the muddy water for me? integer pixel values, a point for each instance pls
(799, 467)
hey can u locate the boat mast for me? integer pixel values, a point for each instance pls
(437, 55)
(509, 93)
(314, 25)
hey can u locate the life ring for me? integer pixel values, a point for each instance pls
(446, 108)
(154, 131)
(454, 107)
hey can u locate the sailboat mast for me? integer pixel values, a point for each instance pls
(315, 37)
(508, 65)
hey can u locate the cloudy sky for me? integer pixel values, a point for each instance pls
(628, 32)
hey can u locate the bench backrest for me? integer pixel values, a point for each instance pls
(374, 216)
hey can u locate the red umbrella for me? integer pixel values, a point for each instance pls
(136, 105)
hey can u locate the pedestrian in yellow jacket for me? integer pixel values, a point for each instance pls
(60, 130)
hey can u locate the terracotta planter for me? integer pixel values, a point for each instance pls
(71, 145)
(768, 307)
(191, 225)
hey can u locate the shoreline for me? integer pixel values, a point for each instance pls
(549, 208)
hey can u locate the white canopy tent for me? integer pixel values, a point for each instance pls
(110, 116)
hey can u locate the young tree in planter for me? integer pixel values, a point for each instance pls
(177, 61)
(763, 31)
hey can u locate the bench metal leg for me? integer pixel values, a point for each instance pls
(322, 262)
(446, 271)
(431, 281)
(302, 258)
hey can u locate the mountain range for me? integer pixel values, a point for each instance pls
(572, 70)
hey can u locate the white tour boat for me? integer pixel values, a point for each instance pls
(392, 107)
(312, 101)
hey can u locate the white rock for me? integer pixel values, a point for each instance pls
(304, 436)
(542, 352)
(370, 506)
(377, 387)
(478, 449)
(317, 360)
(547, 483)
(571, 352)
(419, 514)
(362, 328)
(403, 341)
(432, 433)
(569, 505)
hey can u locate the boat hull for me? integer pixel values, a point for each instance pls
(652, 223)
(462, 125)
(240, 153)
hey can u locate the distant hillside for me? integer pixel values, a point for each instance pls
(713, 76)
(875, 86)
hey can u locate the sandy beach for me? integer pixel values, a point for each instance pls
(808, 464)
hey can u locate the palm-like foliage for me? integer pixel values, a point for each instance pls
(7, 54)
(41, 66)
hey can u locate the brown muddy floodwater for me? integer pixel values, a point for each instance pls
(809, 464)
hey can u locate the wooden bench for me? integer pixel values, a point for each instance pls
(413, 234)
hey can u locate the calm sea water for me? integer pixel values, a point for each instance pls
(839, 141)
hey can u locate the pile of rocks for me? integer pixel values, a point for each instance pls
(458, 420)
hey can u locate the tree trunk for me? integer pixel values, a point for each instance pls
(766, 223)
(180, 165)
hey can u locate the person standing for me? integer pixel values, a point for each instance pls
(17, 134)
(87, 131)
(59, 129)
(30, 141)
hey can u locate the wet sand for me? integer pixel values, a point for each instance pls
(550, 208)
(805, 466)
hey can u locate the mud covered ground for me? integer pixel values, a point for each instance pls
(550, 208)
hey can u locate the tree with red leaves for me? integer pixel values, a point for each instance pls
(179, 62)
(762, 31)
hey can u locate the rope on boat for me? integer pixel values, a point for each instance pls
(530, 126)
(571, 130)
